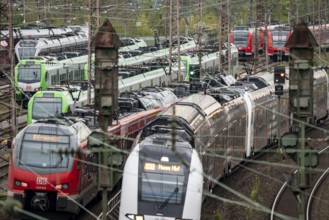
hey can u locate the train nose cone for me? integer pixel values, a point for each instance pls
(40, 202)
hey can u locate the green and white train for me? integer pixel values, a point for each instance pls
(33, 75)
(36, 75)
(57, 100)
(50, 103)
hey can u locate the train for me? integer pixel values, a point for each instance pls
(39, 73)
(276, 43)
(224, 126)
(34, 75)
(242, 39)
(44, 32)
(58, 100)
(28, 48)
(48, 102)
(64, 182)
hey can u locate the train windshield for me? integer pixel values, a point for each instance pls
(163, 176)
(46, 107)
(150, 102)
(279, 39)
(26, 53)
(162, 187)
(29, 73)
(39, 150)
(240, 38)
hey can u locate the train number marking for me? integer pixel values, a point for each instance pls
(42, 180)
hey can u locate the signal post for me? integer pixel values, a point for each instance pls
(106, 43)
(301, 45)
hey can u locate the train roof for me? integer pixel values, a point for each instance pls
(187, 111)
(58, 126)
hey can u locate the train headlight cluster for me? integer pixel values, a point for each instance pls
(62, 186)
(20, 183)
(135, 217)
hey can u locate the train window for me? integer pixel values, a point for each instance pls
(76, 74)
(25, 53)
(63, 78)
(71, 75)
(45, 107)
(29, 73)
(36, 145)
(53, 80)
(158, 187)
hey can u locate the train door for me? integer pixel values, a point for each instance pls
(225, 145)
(249, 49)
(217, 154)
(88, 174)
(270, 44)
(242, 139)
(234, 136)
(57, 77)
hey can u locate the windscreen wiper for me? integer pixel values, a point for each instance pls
(164, 204)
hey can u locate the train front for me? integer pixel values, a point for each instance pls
(162, 182)
(30, 77)
(40, 178)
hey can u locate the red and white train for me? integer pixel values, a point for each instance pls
(43, 179)
(277, 40)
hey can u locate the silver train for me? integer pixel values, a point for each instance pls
(28, 48)
(223, 127)
(35, 33)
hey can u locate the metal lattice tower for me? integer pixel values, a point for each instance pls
(260, 28)
(223, 35)
(93, 26)
(6, 15)
(174, 34)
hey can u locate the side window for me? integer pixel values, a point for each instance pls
(53, 80)
(71, 75)
(46, 76)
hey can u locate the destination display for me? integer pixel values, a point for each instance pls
(160, 167)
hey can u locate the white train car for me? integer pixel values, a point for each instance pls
(223, 130)
(163, 188)
(36, 32)
(28, 48)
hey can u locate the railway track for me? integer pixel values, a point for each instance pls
(317, 203)
(285, 195)
(251, 189)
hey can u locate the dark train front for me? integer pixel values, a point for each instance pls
(168, 184)
(44, 180)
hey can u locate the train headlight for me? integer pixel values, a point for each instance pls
(20, 183)
(134, 217)
(20, 89)
(37, 89)
(65, 186)
(62, 186)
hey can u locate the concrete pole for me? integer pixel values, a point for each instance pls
(178, 43)
(12, 68)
